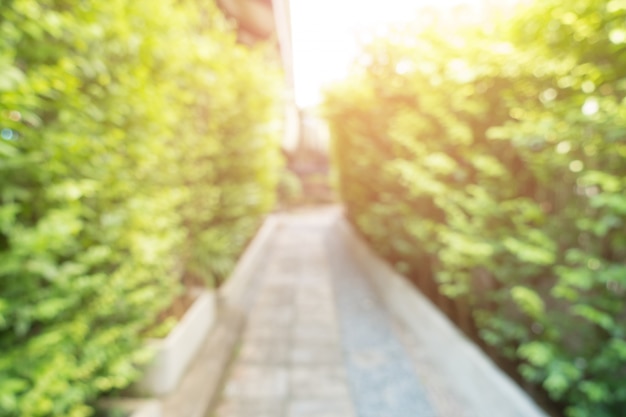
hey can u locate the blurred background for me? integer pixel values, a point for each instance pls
(478, 146)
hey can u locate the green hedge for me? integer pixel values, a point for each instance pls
(137, 140)
(501, 174)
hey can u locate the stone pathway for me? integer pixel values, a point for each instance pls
(317, 342)
(380, 371)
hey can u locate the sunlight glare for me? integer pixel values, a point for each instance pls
(326, 35)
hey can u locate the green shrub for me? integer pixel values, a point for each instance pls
(227, 144)
(131, 133)
(501, 175)
(289, 188)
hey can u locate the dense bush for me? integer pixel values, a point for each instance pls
(136, 137)
(501, 171)
(227, 140)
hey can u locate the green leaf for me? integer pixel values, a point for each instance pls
(598, 317)
(10, 76)
(531, 253)
(440, 163)
(539, 354)
(556, 384)
(595, 392)
(528, 301)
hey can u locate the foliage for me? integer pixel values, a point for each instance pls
(502, 170)
(135, 137)
(289, 188)
(228, 157)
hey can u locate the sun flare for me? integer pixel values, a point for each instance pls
(327, 33)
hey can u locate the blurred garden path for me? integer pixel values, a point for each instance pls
(319, 343)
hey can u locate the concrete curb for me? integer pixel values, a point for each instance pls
(467, 370)
(236, 291)
(174, 354)
(134, 407)
(201, 384)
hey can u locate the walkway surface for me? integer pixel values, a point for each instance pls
(319, 343)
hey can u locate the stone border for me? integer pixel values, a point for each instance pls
(173, 354)
(201, 384)
(468, 371)
(136, 407)
(236, 291)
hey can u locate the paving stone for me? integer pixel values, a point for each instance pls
(257, 382)
(249, 409)
(444, 401)
(279, 316)
(267, 332)
(320, 408)
(314, 301)
(380, 371)
(294, 361)
(319, 382)
(281, 278)
(316, 320)
(304, 353)
(262, 352)
(268, 298)
(318, 343)
(318, 334)
(322, 310)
